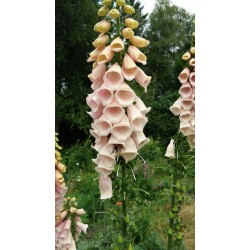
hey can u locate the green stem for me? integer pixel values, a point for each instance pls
(124, 205)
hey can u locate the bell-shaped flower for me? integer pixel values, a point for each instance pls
(122, 130)
(60, 217)
(103, 171)
(105, 186)
(117, 143)
(60, 167)
(107, 156)
(170, 152)
(186, 90)
(137, 55)
(187, 104)
(117, 45)
(59, 177)
(192, 123)
(101, 40)
(137, 120)
(97, 84)
(102, 126)
(103, 141)
(103, 11)
(186, 129)
(125, 96)
(65, 243)
(192, 62)
(186, 56)
(103, 26)
(59, 228)
(97, 73)
(113, 112)
(61, 189)
(129, 68)
(186, 116)
(104, 95)
(127, 33)
(141, 106)
(94, 54)
(130, 150)
(192, 50)
(191, 140)
(96, 114)
(80, 212)
(140, 139)
(94, 133)
(114, 13)
(65, 230)
(139, 41)
(128, 9)
(142, 79)
(176, 107)
(131, 23)
(184, 75)
(192, 79)
(106, 55)
(93, 102)
(82, 227)
(113, 78)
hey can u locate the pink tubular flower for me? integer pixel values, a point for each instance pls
(184, 75)
(106, 55)
(117, 45)
(170, 152)
(105, 185)
(122, 130)
(125, 96)
(140, 139)
(141, 106)
(192, 79)
(129, 68)
(104, 95)
(186, 90)
(176, 107)
(114, 112)
(103, 141)
(137, 55)
(103, 126)
(94, 54)
(142, 79)
(97, 73)
(130, 150)
(137, 120)
(186, 116)
(82, 227)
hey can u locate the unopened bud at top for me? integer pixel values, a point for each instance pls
(103, 11)
(103, 26)
(128, 9)
(73, 199)
(120, 2)
(131, 23)
(114, 13)
(107, 2)
(72, 210)
(186, 56)
(127, 33)
(192, 50)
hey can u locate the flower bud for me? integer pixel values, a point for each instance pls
(73, 199)
(193, 33)
(127, 33)
(192, 50)
(131, 23)
(127, 219)
(120, 2)
(101, 40)
(170, 231)
(114, 13)
(139, 41)
(60, 167)
(179, 236)
(103, 11)
(103, 26)
(75, 204)
(186, 56)
(72, 210)
(130, 247)
(119, 239)
(128, 9)
(107, 2)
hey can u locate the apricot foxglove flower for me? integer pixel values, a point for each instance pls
(142, 79)
(106, 55)
(117, 45)
(131, 23)
(186, 56)
(170, 152)
(139, 41)
(137, 55)
(129, 68)
(103, 11)
(105, 185)
(127, 33)
(101, 40)
(103, 26)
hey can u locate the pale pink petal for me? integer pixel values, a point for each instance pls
(137, 120)
(142, 79)
(187, 104)
(98, 146)
(140, 139)
(107, 155)
(97, 114)
(185, 90)
(66, 242)
(95, 135)
(102, 126)
(59, 227)
(97, 73)
(141, 106)
(66, 229)
(137, 55)
(113, 141)
(60, 217)
(73, 245)
(176, 107)
(80, 211)
(125, 96)
(104, 95)
(114, 112)
(94, 54)
(184, 75)
(130, 150)
(170, 152)
(105, 56)
(129, 68)
(117, 45)
(82, 227)
(192, 123)
(186, 116)
(105, 186)
(97, 84)
(122, 130)
(113, 78)
(192, 78)
(103, 171)
(92, 102)
(186, 129)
